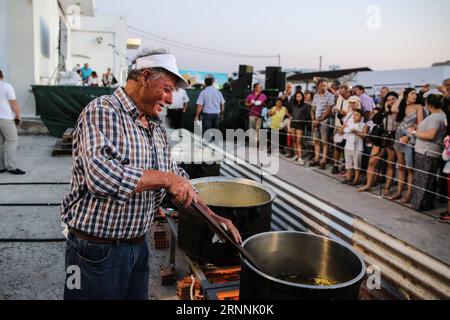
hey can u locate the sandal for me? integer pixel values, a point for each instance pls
(406, 200)
(314, 163)
(444, 218)
(395, 197)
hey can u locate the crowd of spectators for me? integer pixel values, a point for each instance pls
(399, 139)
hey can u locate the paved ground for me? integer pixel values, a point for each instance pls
(34, 271)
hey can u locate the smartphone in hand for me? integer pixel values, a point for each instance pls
(17, 121)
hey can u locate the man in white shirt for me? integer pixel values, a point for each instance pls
(177, 108)
(9, 117)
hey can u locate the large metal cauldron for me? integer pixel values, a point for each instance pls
(246, 203)
(295, 253)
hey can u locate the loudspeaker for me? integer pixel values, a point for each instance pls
(271, 77)
(244, 69)
(243, 85)
(280, 81)
(275, 78)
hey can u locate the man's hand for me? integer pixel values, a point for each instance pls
(181, 190)
(404, 140)
(231, 229)
(18, 120)
(315, 124)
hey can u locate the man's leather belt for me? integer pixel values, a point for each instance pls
(83, 236)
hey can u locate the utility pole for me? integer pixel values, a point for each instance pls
(320, 63)
(279, 60)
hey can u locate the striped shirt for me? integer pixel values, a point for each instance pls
(111, 150)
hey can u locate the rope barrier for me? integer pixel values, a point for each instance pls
(383, 175)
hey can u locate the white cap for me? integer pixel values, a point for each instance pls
(354, 99)
(164, 61)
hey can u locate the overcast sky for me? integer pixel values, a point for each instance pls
(411, 33)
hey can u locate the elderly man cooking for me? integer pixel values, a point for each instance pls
(122, 170)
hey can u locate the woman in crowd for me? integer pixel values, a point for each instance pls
(300, 118)
(309, 97)
(94, 80)
(430, 134)
(383, 144)
(278, 114)
(409, 115)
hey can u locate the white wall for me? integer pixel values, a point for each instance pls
(25, 23)
(112, 29)
(25, 58)
(3, 37)
(20, 51)
(46, 19)
(85, 48)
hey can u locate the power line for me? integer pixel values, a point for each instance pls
(186, 46)
(197, 47)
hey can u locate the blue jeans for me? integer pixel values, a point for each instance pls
(210, 121)
(108, 271)
(408, 149)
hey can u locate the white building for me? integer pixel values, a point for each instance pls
(401, 78)
(40, 38)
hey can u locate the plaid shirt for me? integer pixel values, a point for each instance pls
(111, 150)
(323, 102)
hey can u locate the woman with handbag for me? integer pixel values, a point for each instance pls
(383, 137)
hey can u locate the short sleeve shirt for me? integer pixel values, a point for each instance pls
(258, 101)
(367, 103)
(323, 102)
(6, 94)
(436, 121)
(278, 117)
(211, 99)
(180, 97)
(86, 73)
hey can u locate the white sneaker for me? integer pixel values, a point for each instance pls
(301, 162)
(295, 158)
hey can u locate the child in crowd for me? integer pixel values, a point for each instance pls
(354, 146)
